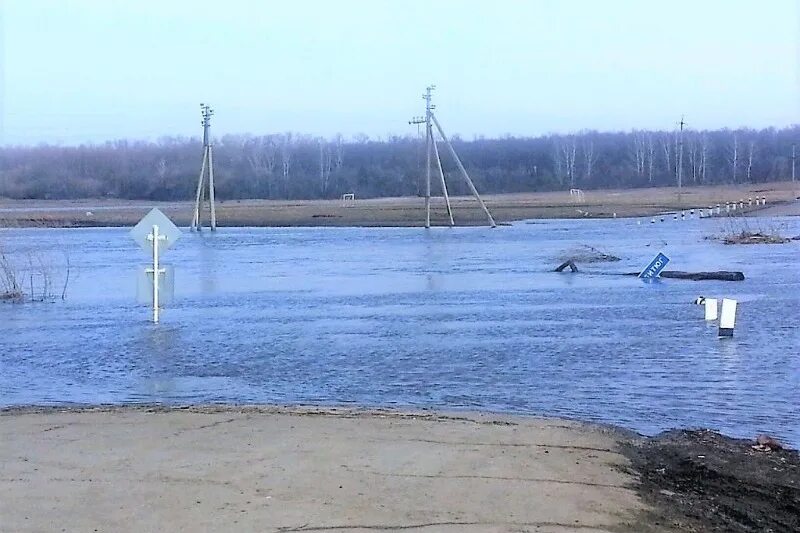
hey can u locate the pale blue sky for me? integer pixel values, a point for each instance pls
(93, 70)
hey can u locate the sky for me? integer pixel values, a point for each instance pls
(78, 71)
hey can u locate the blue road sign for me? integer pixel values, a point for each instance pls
(655, 267)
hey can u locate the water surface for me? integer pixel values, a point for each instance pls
(463, 318)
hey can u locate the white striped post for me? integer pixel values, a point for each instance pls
(727, 318)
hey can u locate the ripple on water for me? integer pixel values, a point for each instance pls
(462, 319)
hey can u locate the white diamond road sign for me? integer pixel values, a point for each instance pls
(144, 228)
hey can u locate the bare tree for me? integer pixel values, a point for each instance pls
(339, 142)
(733, 156)
(272, 166)
(751, 149)
(325, 165)
(703, 156)
(666, 145)
(651, 156)
(559, 169)
(569, 148)
(639, 152)
(260, 154)
(694, 156)
(161, 169)
(589, 157)
(286, 160)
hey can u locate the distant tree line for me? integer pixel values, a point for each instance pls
(292, 166)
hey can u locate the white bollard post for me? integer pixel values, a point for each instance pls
(763, 200)
(652, 220)
(749, 202)
(741, 203)
(727, 317)
(711, 308)
(727, 207)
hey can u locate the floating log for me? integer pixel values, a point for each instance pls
(720, 275)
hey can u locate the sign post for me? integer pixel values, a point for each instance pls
(156, 233)
(655, 267)
(155, 237)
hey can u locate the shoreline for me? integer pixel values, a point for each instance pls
(406, 211)
(309, 468)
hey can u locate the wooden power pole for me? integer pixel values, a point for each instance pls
(206, 181)
(680, 153)
(432, 151)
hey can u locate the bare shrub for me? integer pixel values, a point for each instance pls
(10, 288)
(746, 230)
(38, 275)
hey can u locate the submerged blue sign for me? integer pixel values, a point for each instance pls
(655, 267)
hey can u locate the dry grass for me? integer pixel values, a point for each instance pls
(407, 211)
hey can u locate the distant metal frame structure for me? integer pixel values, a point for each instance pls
(206, 180)
(432, 150)
(348, 199)
(577, 195)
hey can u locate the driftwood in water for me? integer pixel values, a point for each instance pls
(569, 263)
(719, 275)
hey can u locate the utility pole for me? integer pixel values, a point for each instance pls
(428, 142)
(417, 121)
(432, 150)
(206, 170)
(680, 154)
(793, 158)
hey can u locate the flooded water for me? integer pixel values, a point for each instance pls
(464, 318)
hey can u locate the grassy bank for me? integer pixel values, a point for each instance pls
(400, 211)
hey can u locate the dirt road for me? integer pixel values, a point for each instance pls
(229, 469)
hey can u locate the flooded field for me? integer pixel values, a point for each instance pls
(464, 318)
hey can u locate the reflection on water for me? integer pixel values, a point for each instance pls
(451, 318)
